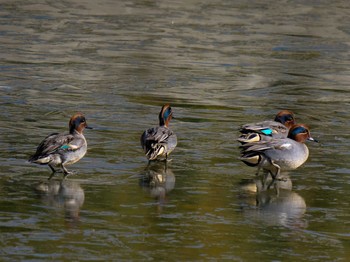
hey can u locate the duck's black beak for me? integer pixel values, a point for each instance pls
(313, 139)
(88, 127)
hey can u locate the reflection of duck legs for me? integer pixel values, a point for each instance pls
(285, 208)
(66, 194)
(276, 181)
(159, 162)
(265, 182)
(158, 178)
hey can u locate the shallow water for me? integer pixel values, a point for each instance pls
(220, 65)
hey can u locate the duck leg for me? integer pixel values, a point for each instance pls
(261, 163)
(275, 171)
(264, 180)
(166, 162)
(65, 171)
(277, 189)
(52, 173)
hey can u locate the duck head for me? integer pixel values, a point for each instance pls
(78, 123)
(300, 133)
(165, 115)
(286, 118)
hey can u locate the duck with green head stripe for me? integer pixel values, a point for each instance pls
(266, 130)
(61, 149)
(158, 142)
(284, 153)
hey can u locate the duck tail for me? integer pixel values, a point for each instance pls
(32, 158)
(251, 159)
(249, 138)
(155, 151)
(39, 159)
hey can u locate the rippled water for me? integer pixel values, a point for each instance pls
(220, 64)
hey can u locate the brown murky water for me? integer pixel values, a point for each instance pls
(220, 64)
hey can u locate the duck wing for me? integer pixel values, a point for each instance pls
(155, 140)
(51, 144)
(268, 128)
(276, 144)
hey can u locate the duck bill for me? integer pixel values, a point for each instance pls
(88, 127)
(313, 139)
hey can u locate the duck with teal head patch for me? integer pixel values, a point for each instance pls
(266, 130)
(61, 149)
(276, 154)
(158, 142)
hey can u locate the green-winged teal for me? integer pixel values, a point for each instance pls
(159, 142)
(276, 154)
(265, 130)
(61, 149)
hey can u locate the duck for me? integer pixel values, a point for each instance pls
(266, 130)
(62, 149)
(158, 142)
(277, 154)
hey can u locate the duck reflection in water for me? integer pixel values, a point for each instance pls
(158, 179)
(66, 194)
(285, 208)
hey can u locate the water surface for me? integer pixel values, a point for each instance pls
(220, 64)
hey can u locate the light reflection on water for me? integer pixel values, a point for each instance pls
(220, 65)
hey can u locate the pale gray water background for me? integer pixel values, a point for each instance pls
(220, 64)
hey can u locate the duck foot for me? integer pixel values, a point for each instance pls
(68, 173)
(53, 172)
